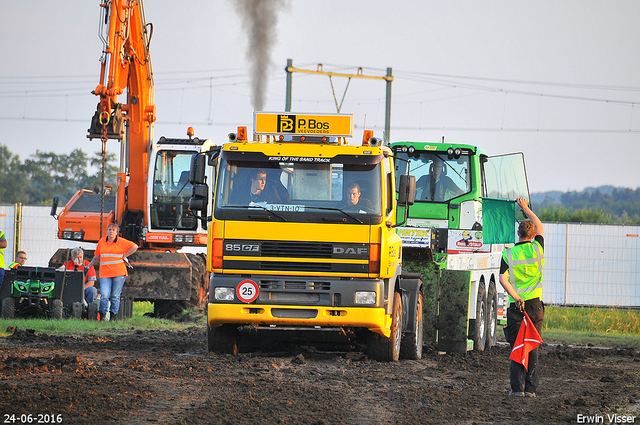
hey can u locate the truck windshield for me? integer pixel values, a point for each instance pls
(171, 191)
(298, 191)
(438, 178)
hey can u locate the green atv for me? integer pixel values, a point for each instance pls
(32, 294)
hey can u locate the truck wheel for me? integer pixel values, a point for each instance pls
(412, 341)
(388, 349)
(56, 309)
(8, 308)
(479, 328)
(223, 339)
(92, 312)
(77, 310)
(492, 317)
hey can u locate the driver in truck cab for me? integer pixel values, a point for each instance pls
(437, 186)
(355, 199)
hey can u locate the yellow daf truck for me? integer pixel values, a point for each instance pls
(302, 240)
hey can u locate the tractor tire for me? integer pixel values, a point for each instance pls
(56, 309)
(223, 339)
(492, 317)
(411, 347)
(388, 349)
(77, 309)
(92, 312)
(9, 308)
(478, 328)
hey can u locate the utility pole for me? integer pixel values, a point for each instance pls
(290, 69)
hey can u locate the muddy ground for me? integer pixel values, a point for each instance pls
(139, 377)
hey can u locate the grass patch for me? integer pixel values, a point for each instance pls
(139, 320)
(592, 320)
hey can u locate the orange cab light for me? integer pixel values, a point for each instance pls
(374, 258)
(242, 134)
(217, 253)
(303, 138)
(190, 132)
(281, 137)
(368, 134)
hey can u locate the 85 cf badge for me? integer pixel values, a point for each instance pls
(247, 291)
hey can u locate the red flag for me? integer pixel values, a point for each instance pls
(528, 339)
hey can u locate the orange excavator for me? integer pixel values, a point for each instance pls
(151, 200)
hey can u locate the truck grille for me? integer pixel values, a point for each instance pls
(296, 249)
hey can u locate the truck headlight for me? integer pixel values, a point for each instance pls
(365, 297)
(222, 293)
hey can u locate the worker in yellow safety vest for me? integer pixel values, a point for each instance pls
(521, 277)
(21, 258)
(3, 245)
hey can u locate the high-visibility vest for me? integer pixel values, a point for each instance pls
(13, 265)
(2, 251)
(525, 262)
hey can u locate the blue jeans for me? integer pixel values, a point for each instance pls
(1, 277)
(111, 288)
(90, 294)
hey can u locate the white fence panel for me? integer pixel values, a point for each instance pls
(591, 264)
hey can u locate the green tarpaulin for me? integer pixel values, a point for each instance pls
(498, 221)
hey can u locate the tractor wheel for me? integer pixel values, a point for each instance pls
(412, 341)
(388, 349)
(492, 317)
(223, 339)
(479, 329)
(56, 309)
(92, 312)
(9, 308)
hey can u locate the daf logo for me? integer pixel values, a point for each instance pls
(339, 250)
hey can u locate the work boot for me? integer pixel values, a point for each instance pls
(516, 394)
(104, 316)
(113, 316)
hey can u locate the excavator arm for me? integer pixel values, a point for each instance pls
(126, 64)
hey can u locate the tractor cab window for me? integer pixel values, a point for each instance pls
(439, 178)
(171, 191)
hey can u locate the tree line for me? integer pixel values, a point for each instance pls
(605, 204)
(44, 175)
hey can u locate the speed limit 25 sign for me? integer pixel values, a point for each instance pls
(247, 291)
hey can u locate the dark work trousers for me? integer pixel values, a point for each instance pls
(523, 380)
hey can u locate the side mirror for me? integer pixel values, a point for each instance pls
(199, 197)
(407, 190)
(198, 168)
(54, 207)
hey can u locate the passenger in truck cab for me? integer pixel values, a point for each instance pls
(256, 190)
(355, 200)
(437, 186)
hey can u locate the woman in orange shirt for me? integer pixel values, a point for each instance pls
(112, 253)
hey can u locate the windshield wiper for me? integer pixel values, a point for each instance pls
(336, 209)
(257, 206)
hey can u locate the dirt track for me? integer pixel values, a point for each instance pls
(136, 377)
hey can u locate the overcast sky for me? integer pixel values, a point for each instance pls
(557, 80)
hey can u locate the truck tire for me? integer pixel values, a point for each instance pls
(412, 341)
(9, 308)
(223, 339)
(92, 312)
(478, 330)
(492, 316)
(388, 349)
(56, 309)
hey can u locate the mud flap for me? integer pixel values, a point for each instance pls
(453, 311)
(429, 271)
(410, 286)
